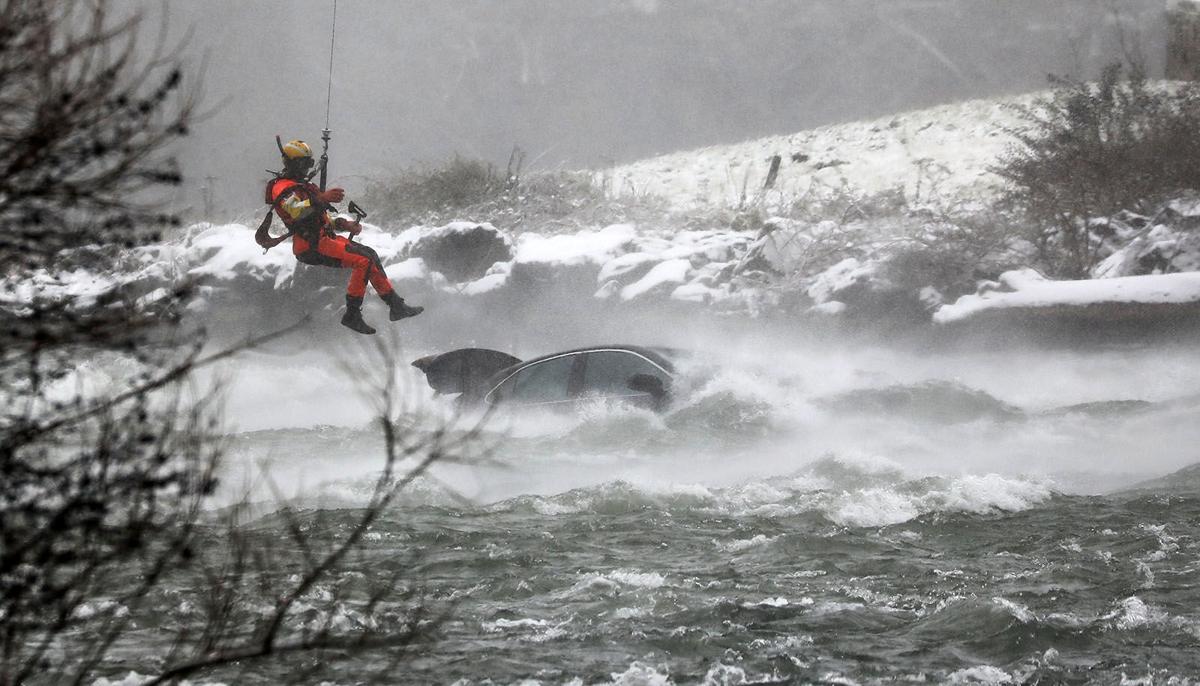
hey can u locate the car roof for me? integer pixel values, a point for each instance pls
(659, 356)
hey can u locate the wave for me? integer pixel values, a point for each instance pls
(840, 491)
(935, 401)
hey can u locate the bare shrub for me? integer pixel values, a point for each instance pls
(93, 484)
(471, 190)
(1091, 150)
(105, 480)
(419, 192)
(84, 124)
(952, 254)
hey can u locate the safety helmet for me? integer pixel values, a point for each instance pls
(297, 158)
(295, 150)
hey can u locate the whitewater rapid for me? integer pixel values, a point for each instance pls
(1053, 420)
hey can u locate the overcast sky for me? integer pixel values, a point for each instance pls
(580, 83)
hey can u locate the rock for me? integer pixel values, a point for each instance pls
(463, 251)
(663, 278)
(1161, 250)
(842, 281)
(627, 268)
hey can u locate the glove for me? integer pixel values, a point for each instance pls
(352, 227)
(332, 196)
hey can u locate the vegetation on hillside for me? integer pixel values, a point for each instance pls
(469, 189)
(1093, 150)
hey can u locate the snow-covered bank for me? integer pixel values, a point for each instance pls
(777, 272)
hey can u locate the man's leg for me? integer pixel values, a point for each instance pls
(335, 249)
(398, 309)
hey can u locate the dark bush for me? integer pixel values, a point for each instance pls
(472, 190)
(952, 255)
(1091, 150)
(418, 192)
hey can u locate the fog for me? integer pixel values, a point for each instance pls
(584, 83)
(755, 406)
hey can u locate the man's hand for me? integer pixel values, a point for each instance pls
(343, 224)
(332, 196)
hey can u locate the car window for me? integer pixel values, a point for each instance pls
(541, 382)
(608, 372)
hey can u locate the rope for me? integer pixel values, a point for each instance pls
(329, 88)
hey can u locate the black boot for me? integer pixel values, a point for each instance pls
(398, 308)
(353, 318)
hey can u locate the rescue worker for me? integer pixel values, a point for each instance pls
(304, 209)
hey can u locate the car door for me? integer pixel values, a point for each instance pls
(546, 383)
(607, 374)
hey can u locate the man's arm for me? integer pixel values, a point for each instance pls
(301, 201)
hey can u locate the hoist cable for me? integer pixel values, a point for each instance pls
(329, 87)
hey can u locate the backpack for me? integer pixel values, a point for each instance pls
(263, 235)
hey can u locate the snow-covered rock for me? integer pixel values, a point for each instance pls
(1026, 289)
(462, 251)
(664, 276)
(1161, 249)
(833, 283)
(228, 252)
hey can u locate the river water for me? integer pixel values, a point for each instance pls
(801, 514)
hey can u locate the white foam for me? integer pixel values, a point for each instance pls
(641, 674)
(501, 625)
(611, 583)
(1022, 613)
(983, 674)
(883, 506)
(136, 679)
(637, 579)
(873, 507)
(739, 545)
(1135, 613)
(779, 601)
(722, 674)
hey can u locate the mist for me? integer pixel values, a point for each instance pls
(756, 401)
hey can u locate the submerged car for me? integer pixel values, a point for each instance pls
(632, 374)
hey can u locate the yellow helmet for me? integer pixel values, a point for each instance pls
(295, 150)
(297, 159)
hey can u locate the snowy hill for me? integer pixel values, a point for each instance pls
(943, 150)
